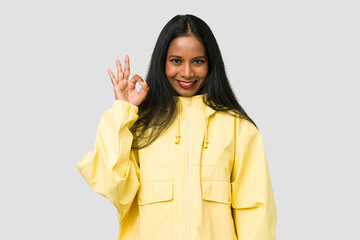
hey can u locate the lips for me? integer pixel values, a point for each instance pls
(186, 84)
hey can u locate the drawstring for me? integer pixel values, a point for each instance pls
(177, 141)
(206, 141)
(206, 138)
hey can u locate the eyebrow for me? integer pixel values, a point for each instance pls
(176, 56)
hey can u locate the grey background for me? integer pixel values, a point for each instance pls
(294, 66)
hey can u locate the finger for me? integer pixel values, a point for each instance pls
(144, 89)
(136, 78)
(142, 83)
(119, 70)
(112, 77)
(127, 67)
(133, 80)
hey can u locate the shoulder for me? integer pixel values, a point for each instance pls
(244, 128)
(241, 127)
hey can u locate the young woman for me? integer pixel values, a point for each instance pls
(181, 159)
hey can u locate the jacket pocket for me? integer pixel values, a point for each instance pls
(155, 200)
(218, 219)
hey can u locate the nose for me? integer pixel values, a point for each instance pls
(186, 71)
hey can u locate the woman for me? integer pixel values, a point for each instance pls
(181, 159)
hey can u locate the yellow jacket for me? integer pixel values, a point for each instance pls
(206, 177)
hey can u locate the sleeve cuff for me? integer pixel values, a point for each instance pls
(130, 108)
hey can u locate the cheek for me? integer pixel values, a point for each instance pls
(204, 71)
(169, 70)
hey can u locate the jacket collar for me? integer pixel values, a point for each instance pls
(208, 111)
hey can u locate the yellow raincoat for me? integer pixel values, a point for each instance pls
(206, 177)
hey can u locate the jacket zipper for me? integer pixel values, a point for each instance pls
(188, 171)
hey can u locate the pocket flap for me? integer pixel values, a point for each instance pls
(150, 192)
(217, 191)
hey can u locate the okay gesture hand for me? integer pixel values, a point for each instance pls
(124, 88)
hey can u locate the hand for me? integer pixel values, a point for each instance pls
(125, 89)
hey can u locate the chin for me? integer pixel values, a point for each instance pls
(186, 93)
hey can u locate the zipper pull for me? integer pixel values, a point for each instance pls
(189, 103)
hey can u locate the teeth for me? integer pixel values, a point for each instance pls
(187, 83)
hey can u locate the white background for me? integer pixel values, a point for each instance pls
(294, 66)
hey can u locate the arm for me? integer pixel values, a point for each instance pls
(253, 204)
(112, 169)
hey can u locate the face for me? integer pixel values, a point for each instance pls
(186, 65)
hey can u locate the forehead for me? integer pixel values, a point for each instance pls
(186, 45)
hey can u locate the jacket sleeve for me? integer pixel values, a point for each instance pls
(253, 204)
(111, 168)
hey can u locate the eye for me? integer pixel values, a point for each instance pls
(175, 60)
(198, 61)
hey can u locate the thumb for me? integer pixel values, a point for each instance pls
(144, 89)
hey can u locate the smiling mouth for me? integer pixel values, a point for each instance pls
(186, 84)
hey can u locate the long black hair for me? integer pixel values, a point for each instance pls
(158, 110)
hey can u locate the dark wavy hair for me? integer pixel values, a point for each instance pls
(158, 110)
